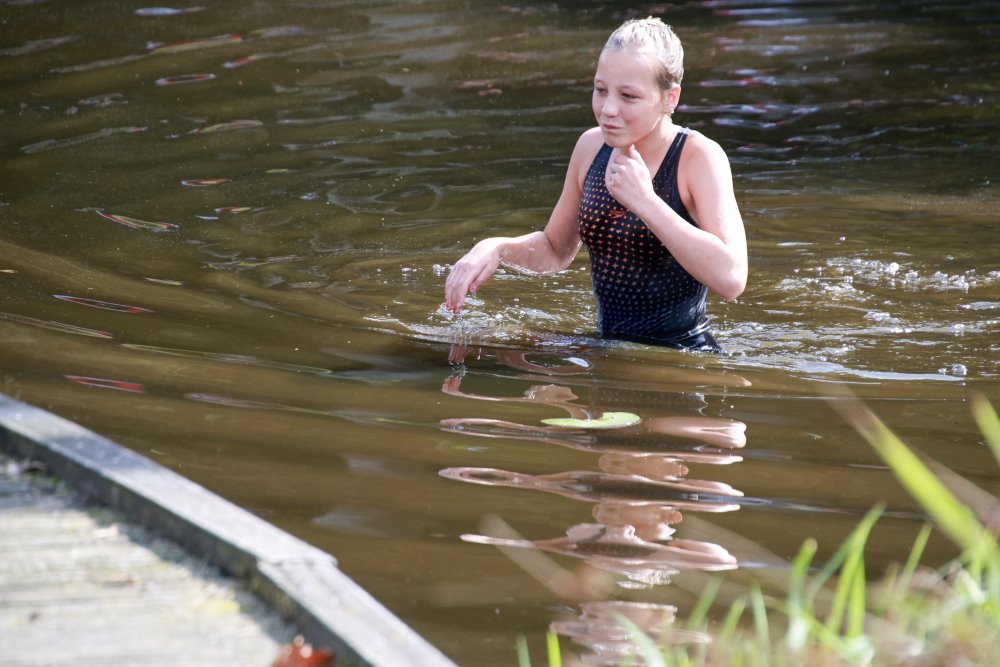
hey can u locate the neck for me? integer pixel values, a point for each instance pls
(653, 147)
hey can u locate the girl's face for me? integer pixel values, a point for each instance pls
(628, 103)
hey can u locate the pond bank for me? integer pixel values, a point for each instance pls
(57, 531)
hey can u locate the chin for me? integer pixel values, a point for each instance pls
(616, 140)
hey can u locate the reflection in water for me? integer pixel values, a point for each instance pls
(56, 326)
(639, 498)
(193, 45)
(598, 629)
(700, 495)
(181, 79)
(103, 305)
(54, 144)
(103, 383)
(135, 223)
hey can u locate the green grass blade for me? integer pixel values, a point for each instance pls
(652, 655)
(840, 556)
(857, 606)
(697, 617)
(854, 560)
(732, 619)
(954, 518)
(988, 422)
(917, 551)
(523, 657)
(761, 625)
(798, 628)
(552, 641)
(913, 561)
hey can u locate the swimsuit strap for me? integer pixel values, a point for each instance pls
(666, 177)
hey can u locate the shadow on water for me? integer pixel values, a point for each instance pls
(226, 228)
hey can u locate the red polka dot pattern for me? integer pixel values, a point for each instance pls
(642, 292)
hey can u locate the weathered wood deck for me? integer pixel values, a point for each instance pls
(79, 586)
(298, 581)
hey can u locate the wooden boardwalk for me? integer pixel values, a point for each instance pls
(79, 586)
(83, 586)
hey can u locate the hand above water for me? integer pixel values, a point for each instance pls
(469, 273)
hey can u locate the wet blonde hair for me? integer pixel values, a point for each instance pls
(653, 38)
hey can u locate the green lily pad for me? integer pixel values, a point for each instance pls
(607, 420)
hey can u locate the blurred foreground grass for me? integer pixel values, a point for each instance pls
(832, 614)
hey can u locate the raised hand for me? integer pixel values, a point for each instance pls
(627, 178)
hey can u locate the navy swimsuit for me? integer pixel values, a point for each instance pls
(643, 294)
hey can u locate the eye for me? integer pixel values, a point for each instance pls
(627, 96)
(599, 90)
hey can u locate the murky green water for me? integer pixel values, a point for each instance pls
(225, 234)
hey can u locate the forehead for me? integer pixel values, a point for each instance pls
(626, 67)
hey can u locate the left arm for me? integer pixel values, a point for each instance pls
(714, 252)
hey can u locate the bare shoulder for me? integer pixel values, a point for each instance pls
(705, 177)
(587, 147)
(703, 149)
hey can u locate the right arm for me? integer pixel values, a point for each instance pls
(547, 251)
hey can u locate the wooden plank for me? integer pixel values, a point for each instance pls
(80, 587)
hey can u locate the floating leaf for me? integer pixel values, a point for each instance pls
(607, 420)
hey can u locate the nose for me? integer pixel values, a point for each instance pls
(609, 108)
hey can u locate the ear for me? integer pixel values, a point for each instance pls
(671, 98)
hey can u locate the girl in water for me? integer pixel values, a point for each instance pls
(653, 201)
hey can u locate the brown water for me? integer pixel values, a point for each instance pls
(225, 233)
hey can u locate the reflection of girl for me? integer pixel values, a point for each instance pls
(654, 203)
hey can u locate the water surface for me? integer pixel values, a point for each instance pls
(226, 229)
